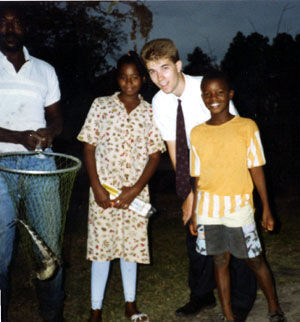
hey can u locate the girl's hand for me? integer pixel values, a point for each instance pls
(125, 198)
(102, 197)
(267, 222)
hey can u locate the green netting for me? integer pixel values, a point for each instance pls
(40, 187)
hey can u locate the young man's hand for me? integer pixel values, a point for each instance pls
(187, 208)
(193, 226)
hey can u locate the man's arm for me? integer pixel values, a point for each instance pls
(29, 138)
(54, 125)
(188, 202)
(172, 152)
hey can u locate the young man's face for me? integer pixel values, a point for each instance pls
(216, 96)
(11, 31)
(166, 75)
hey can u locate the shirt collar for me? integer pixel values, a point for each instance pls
(26, 54)
(186, 87)
(25, 51)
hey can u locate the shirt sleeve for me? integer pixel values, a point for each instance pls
(194, 157)
(155, 141)
(164, 118)
(255, 152)
(53, 92)
(90, 132)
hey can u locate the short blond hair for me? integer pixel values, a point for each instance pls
(159, 48)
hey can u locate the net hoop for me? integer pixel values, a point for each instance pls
(41, 172)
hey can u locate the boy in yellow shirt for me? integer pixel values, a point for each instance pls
(226, 159)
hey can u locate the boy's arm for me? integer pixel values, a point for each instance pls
(193, 221)
(188, 202)
(258, 178)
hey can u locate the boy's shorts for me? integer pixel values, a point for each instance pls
(241, 242)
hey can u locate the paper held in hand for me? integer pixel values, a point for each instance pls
(139, 206)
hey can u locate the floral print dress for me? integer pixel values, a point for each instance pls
(123, 143)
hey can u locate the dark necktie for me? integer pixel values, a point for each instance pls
(183, 185)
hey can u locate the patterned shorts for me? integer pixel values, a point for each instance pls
(241, 242)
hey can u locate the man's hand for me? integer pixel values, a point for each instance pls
(29, 139)
(187, 208)
(47, 137)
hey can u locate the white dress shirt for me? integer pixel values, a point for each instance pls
(194, 110)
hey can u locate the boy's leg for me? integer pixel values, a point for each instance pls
(201, 280)
(243, 287)
(223, 283)
(264, 278)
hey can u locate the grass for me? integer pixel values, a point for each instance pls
(162, 286)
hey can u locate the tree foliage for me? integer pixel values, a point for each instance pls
(199, 63)
(81, 39)
(266, 79)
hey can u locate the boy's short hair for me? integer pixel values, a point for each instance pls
(216, 74)
(159, 48)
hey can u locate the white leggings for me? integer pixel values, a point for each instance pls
(100, 272)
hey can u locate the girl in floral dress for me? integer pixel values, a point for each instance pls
(122, 148)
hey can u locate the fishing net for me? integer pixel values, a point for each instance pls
(39, 188)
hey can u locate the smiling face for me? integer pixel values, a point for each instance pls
(166, 75)
(216, 96)
(129, 80)
(11, 31)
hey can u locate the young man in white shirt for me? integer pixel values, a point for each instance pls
(161, 59)
(29, 114)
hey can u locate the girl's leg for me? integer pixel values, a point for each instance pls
(264, 278)
(223, 283)
(100, 272)
(128, 271)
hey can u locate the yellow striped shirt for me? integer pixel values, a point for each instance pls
(221, 156)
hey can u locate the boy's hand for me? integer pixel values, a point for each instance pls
(125, 198)
(187, 208)
(267, 220)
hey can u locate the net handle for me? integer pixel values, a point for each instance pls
(74, 168)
